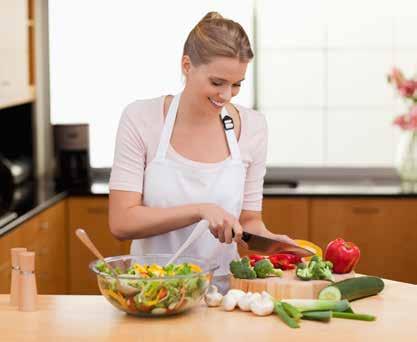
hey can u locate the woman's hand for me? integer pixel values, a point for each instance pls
(221, 223)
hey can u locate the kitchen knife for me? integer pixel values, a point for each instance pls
(270, 246)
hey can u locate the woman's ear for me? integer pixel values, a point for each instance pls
(185, 65)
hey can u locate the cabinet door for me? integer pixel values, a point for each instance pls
(287, 216)
(385, 230)
(91, 214)
(14, 73)
(45, 235)
(53, 250)
(7, 241)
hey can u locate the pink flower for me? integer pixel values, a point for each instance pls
(396, 77)
(407, 121)
(407, 88)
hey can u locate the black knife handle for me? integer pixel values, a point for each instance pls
(245, 236)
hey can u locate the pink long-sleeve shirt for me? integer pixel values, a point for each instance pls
(138, 136)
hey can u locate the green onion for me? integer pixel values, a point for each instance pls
(318, 304)
(360, 317)
(292, 311)
(287, 319)
(323, 316)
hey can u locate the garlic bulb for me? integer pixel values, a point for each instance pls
(244, 302)
(262, 306)
(236, 293)
(229, 302)
(213, 297)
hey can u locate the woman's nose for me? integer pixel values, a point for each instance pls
(226, 94)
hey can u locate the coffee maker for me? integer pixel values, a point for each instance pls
(72, 155)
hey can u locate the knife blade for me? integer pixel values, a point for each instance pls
(270, 246)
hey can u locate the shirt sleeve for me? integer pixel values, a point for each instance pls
(253, 192)
(129, 156)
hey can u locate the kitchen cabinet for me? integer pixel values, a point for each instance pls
(16, 52)
(91, 214)
(384, 229)
(45, 234)
(289, 216)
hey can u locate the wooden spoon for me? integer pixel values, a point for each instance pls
(124, 288)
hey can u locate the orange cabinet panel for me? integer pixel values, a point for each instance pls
(384, 229)
(91, 214)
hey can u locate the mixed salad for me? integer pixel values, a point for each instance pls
(148, 293)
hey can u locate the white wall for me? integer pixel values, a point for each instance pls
(322, 69)
(106, 54)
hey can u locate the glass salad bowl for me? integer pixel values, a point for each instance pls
(146, 287)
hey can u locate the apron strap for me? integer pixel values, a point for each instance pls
(168, 127)
(230, 134)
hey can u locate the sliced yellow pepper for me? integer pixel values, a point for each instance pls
(311, 247)
(195, 268)
(139, 268)
(117, 297)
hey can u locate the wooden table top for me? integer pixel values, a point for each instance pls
(92, 318)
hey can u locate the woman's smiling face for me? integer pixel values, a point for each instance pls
(214, 84)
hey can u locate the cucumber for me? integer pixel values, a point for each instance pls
(353, 288)
(330, 293)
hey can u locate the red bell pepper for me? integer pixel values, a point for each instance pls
(343, 255)
(284, 261)
(254, 258)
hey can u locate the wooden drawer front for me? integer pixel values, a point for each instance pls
(91, 214)
(286, 216)
(384, 229)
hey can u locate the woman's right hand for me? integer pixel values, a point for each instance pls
(221, 223)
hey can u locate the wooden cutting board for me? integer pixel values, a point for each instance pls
(288, 286)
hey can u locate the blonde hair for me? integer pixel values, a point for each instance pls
(215, 36)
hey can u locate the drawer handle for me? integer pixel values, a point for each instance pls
(97, 210)
(366, 210)
(43, 251)
(44, 225)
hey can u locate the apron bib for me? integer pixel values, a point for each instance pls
(169, 183)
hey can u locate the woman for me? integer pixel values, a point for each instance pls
(176, 163)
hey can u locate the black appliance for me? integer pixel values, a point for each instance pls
(72, 154)
(14, 175)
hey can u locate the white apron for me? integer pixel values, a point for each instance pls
(169, 183)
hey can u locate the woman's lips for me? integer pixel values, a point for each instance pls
(217, 103)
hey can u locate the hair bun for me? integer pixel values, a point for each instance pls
(212, 15)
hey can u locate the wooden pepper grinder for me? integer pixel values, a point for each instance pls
(27, 282)
(14, 284)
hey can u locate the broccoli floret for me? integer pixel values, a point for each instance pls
(303, 272)
(316, 269)
(264, 268)
(242, 269)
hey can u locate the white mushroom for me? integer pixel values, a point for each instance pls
(262, 306)
(213, 297)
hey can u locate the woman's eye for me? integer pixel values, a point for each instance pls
(237, 85)
(217, 84)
